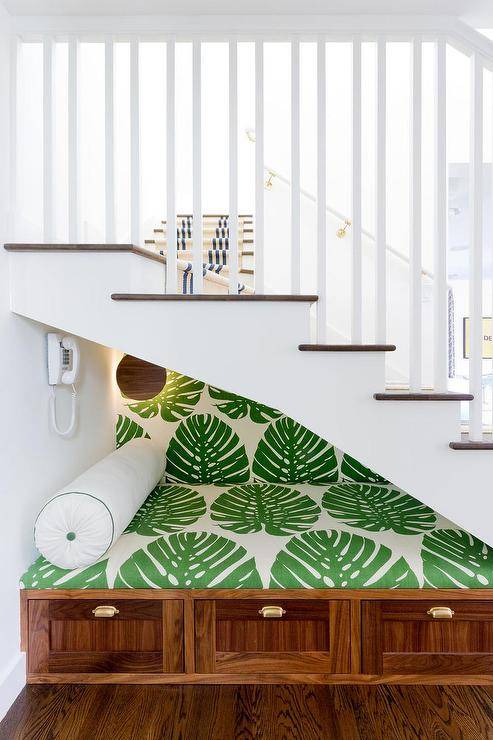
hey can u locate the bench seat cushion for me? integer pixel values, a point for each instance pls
(259, 535)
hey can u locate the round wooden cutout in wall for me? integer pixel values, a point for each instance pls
(138, 379)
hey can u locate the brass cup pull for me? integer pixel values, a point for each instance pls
(272, 612)
(105, 611)
(441, 612)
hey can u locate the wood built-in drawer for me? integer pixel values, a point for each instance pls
(402, 637)
(141, 637)
(311, 636)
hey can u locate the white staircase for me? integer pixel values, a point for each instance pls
(250, 345)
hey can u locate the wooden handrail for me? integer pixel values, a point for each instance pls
(91, 248)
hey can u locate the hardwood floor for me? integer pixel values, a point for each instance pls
(250, 713)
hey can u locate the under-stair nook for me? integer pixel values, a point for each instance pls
(263, 252)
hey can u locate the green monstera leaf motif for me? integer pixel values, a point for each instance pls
(290, 453)
(237, 407)
(190, 560)
(43, 574)
(351, 469)
(280, 510)
(378, 508)
(176, 401)
(453, 558)
(336, 559)
(206, 450)
(167, 509)
(126, 429)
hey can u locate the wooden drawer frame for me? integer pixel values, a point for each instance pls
(332, 616)
(182, 628)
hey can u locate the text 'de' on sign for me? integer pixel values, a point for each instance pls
(487, 337)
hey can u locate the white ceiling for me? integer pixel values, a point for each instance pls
(477, 12)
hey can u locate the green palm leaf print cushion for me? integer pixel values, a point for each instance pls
(280, 510)
(351, 469)
(190, 560)
(336, 559)
(176, 401)
(167, 509)
(43, 574)
(237, 407)
(206, 450)
(453, 558)
(377, 508)
(290, 453)
(126, 429)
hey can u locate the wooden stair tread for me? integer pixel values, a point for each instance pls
(212, 297)
(468, 445)
(422, 396)
(346, 347)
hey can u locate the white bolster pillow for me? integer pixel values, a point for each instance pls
(80, 523)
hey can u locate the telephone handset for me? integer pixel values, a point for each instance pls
(63, 359)
(63, 368)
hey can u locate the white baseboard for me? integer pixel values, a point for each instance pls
(12, 681)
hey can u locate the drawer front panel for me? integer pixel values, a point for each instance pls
(141, 637)
(311, 636)
(102, 634)
(403, 637)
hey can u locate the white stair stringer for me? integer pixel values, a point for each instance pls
(251, 348)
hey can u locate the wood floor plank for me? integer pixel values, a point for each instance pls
(253, 712)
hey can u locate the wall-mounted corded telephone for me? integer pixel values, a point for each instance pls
(63, 368)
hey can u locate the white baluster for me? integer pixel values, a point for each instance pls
(321, 194)
(135, 210)
(259, 167)
(233, 167)
(476, 250)
(109, 145)
(357, 281)
(171, 258)
(13, 121)
(440, 295)
(381, 197)
(415, 231)
(295, 167)
(73, 142)
(197, 168)
(48, 142)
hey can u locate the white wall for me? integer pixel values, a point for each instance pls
(34, 461)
